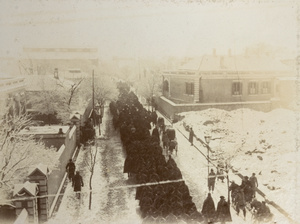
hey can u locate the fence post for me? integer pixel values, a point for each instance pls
(39, 175)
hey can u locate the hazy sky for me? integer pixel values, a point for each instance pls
(144, 28)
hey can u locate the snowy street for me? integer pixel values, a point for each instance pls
(118, 205)
(114, 202)
(108, 205)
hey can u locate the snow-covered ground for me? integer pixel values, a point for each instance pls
(263, 143)
(271, 134)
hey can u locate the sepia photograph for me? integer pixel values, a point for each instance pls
(143, 112)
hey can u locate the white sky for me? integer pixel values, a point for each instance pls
(132, 29)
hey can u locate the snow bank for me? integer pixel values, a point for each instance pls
(263, 143)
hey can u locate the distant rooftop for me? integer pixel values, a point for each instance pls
(60, 53)
(36, 130)
(234, 63)
(28, 49)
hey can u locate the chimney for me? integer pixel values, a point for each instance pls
(60, 132)
(229, 52)
(214, 52)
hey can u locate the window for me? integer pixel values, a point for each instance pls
(189, 88)
(253, 88)
(166, 86)
(237, 88)
(265, 87)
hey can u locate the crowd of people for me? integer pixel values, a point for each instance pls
(244, 194)
(145, 163)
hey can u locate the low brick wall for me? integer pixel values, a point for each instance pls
(171, 109)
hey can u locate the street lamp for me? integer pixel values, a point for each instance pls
(207, 140)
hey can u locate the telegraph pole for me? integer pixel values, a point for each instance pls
(93, 91)
(93, 99)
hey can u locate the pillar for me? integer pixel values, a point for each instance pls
(39, 175)
(196, 89)
(25, 197)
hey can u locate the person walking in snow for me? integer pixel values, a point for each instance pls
(223, 211)
(240, 202)
(70, 169)
(247, 189)
(191, 136)
(77, 184)
(208, 209)
(233, 188)
(165, 140)
(211, 181)
(264, 214)
(254, 184)
(155, 134)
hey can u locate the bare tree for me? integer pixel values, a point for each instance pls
(18, 152)
(71, 90)
(90, 161)
(56, 99)
(149, 86)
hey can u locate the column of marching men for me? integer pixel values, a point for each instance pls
(145, 163)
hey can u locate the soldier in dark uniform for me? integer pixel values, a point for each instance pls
(70, 168)
(77, 184)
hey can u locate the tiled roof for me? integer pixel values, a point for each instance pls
(234, 63)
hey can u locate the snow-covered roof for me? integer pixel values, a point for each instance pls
(234, 63)
(28, 187)
(75, 115)
(53, 129)
(41, 168)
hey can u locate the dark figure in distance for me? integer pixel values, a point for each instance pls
(247, 189)
(220, 173)
(155, 134)
(191, 136)
(254, 184)
(233, 188)
(208, 209)
(70, 168)
(240, 202)
(211, 180)
(264, 214)
(77, 184)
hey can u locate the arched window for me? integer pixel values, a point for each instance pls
(166, 85)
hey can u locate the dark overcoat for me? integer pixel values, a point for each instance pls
(223, 211)
(77, 182)
(208, 208)
(155, 133)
